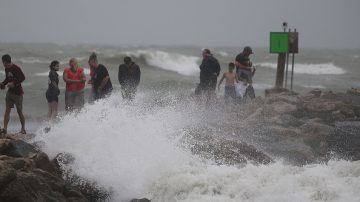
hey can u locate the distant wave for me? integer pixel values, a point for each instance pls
(222, 53)
(32, 60)
(262, 85)
(182, 64)
(317, 69)
(60, 72)
(314, 86)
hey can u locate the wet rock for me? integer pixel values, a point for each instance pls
(316, 92)
(345, 140)
(140, 200)
(27, 175)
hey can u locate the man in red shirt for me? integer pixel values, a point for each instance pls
(14, 95)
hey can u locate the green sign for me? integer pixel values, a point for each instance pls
(279, 42)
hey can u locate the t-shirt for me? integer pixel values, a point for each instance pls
(100, 73)
(53, 77)
(16, 76)
(242, 59)
(129, 76)
(244, 74)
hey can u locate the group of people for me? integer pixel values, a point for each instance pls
(129, 79)
(238, 84)
(75, 80)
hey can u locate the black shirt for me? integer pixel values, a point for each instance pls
(129, 76)
(52, 89)
(100, 73)
(243, 59)
(209, 66)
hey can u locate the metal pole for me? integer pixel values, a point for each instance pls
(287, 64)
(292, 70)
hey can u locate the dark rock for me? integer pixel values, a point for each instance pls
(272, 91)
(19, 148)
(345, 140)
(140, 200)
(316, 92)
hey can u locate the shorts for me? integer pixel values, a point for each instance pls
(52, 98)
(74, 99)
(13, 99)
(230, 92)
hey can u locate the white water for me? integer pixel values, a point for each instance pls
(60, 73)
(182, 64)
(132, 150)
(315, 69)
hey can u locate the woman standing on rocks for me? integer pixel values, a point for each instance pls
(75, 79)
(53, 91)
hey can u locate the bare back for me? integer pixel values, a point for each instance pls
(230, 77)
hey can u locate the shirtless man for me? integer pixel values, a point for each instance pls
(231, 78)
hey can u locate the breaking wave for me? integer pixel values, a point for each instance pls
(182, 64)
(314, 69)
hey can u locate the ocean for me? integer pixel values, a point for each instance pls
(138, 150)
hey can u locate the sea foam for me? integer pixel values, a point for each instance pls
(315, 69)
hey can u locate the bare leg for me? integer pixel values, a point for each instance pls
(54, 108)
(22, 120)
(49, 111)
(6, 117)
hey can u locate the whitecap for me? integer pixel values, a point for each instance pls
(314, 69)
(182, 64)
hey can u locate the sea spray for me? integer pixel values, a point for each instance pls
(134, 150)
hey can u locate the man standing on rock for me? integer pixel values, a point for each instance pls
(209, 71)
(102, 85)
(245, 70)
(14, 96)
(129, 78)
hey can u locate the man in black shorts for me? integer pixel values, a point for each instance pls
(14, 95)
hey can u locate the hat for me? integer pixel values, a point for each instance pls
(248, 49)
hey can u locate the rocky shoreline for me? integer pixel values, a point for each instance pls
(312, 127)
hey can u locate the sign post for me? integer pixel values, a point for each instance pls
(279, 43)
(284, 43)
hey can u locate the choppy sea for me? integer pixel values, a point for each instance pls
(134, 149)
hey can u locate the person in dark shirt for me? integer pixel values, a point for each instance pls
(14, 96)
(245, 70)
(102, 86)
(209, 71)
(53, 91)
(129, 78)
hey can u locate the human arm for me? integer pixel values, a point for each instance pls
(16, 80)
(253, 72)
(137, 75)
(67, 80)
(221, 80)
(121, 75)
(103, 83)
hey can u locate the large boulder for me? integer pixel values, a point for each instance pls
(27, 175)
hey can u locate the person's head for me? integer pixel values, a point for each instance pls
(248, 50)
(54, 65)
(206, 52)
(127, 60)
(6, 59)
(93, 62)
(74, 64)
(231, 66)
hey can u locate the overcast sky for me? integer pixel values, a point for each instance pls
(321, 23)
